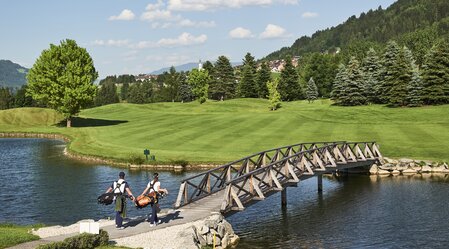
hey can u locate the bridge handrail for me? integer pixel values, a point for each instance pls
(213, 180)
(253, 155)
(254, 184)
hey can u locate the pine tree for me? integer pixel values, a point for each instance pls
(352, 93)
(248, 84)
(107, 94)
(436, 74)
(263, 76)
(124, 91)
(403, 76)
(223, 84)
(415, 89)
(274, 97)
(371, 68)
(389, 70)
(312, 91)
(6, 98)
(339, 84)
(289, 86)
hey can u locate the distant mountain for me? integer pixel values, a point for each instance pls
(407, 21)
(185, 67)
(12, 74)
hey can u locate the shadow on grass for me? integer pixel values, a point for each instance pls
(90, 122)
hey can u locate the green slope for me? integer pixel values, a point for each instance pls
(224, 131)
(12, 74)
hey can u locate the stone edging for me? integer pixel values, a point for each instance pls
(406, 166)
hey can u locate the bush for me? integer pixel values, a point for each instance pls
(136, 159)
(183, 163)
(85, 241)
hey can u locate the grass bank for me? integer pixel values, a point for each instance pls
(217, 132)
(12, 235)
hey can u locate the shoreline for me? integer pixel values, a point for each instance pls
(96, 159)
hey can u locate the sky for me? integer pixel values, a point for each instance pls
(140, 36)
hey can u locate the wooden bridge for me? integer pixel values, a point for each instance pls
(233, 186)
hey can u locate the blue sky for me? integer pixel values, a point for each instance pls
(137, 36)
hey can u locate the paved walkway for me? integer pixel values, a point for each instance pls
(195, 211)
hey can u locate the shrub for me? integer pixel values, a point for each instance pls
(181, 162)
(136, 159)
(85, 240)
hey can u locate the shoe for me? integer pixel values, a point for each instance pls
(120, 228)
(159, 222)
(151, 225)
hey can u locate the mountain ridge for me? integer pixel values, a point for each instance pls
(12, 74)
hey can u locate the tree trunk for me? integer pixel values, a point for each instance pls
(69, 122)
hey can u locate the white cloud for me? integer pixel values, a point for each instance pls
(155, 6)
(201, 5)
(309, 15)
(240, 33)
(125, 15)
(202, 24)
(185, 39)
(273, 31)
(158, 14)
(111, 43)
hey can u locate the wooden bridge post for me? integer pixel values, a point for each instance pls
(320, 183)
(284, 198)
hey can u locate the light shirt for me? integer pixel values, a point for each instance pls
(156, 186)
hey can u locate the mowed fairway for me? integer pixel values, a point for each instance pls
(219, 132)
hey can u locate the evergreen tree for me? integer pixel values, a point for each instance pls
(107, 94)
(140, 93)
(371, 68)
(63, 77)
(274, 97)
(209, 67)
(124, 91)
(248, 84)
(172, 83)
(199, 81)
(185, 92)
(353, 92)
(436, 74)
(339, 84)
(390, 71)
(6, 98)
(322, 68)
(289, 86)
(415, 89)
(403, 76)
(263, 76)
(21, 99)
(312, 91)
(223, 84)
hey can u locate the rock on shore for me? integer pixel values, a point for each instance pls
(407, 166)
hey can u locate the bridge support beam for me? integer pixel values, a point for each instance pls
(284, 197)
(320, 183)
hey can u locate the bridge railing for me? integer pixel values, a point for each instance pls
(214, 180)
(256, 183)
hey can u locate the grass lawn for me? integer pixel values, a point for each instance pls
(224, 131)
(12, 235)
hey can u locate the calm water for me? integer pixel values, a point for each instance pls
(40, 185)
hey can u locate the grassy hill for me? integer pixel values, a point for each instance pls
(12, 74)
(224, 131)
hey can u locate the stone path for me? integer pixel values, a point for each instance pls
(138, 225)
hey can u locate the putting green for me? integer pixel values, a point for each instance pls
(223, 131)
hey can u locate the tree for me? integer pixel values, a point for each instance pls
(199, 81)
(21, 99)
(402, 70)
(223, 84)
(436, 74)
(415, 89)
(312, 91)
(107, 94)
(371, 68)
(124, 91)
(62, 78)
(172, 83)
(390, 70)
(140, 93)
(274, 97)
(248, 84)
(263, 76)
(185, 90)
(322, 68)
(289, 86)
(339, 85)
(353, 92)
(6, 98)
